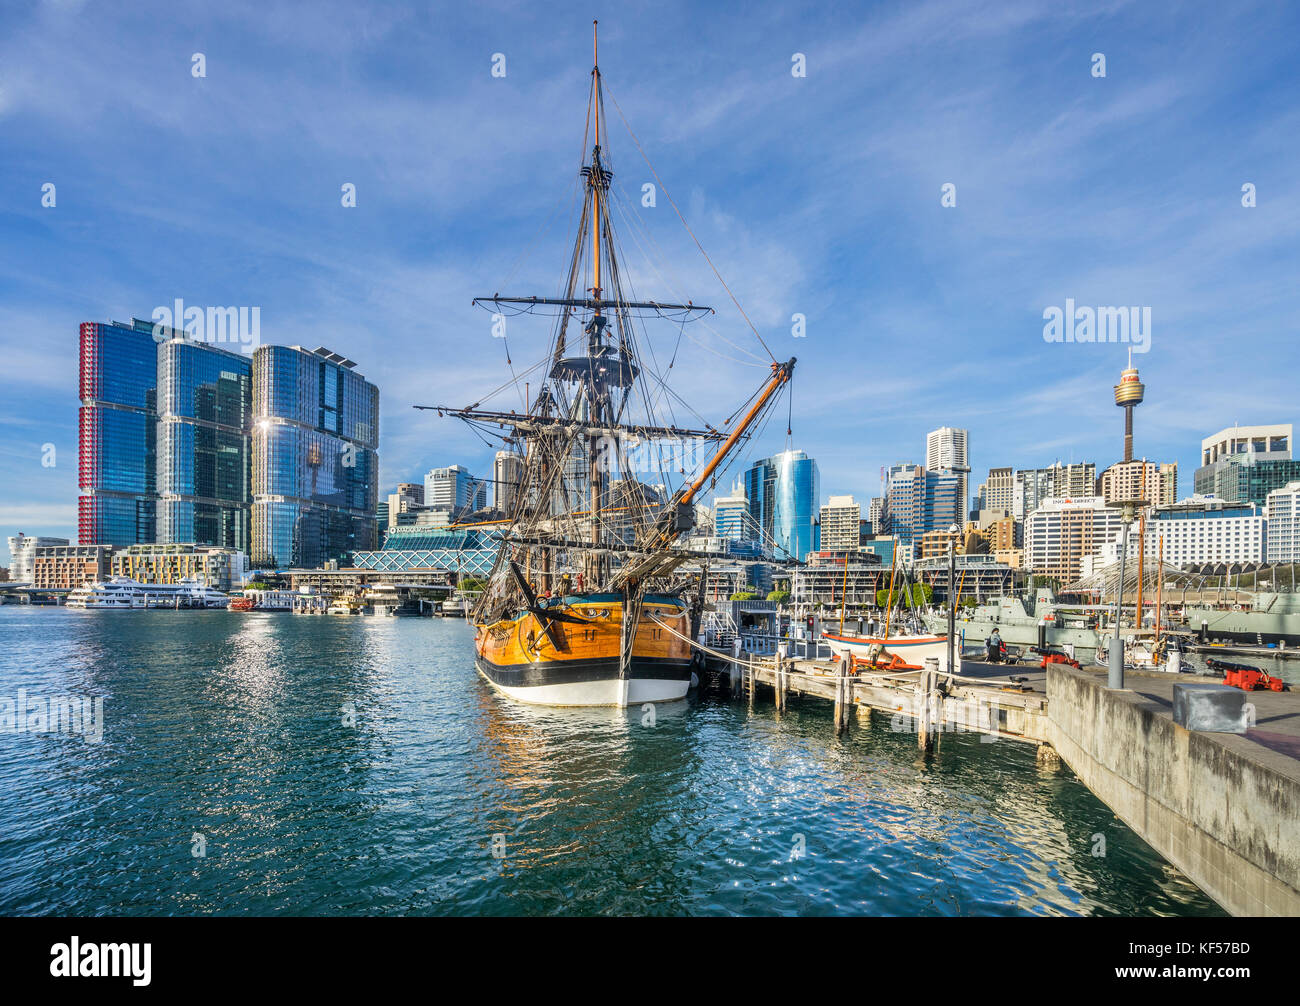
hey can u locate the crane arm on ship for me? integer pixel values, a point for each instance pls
(667, 526)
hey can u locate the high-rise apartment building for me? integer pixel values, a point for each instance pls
(315, 466)
(999, 490)
(1030, 486)
(117, 433)
(948, 449)
(22, 553)
(841, 525)
(1126, 481)
(782, 492)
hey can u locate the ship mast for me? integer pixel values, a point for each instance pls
(591, 398)
(593, 562)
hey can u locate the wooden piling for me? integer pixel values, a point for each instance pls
(926, 699)
(843, 693)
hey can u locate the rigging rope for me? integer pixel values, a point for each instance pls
(688, 229)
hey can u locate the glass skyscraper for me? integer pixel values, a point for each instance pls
(205, 404)
(917, 501)
(117, 434)
(783, 492)
(315, 466)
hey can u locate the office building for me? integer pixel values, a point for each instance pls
(841, 525)
(22, 552)
(204, 446)
(507, 477)
(1063, 531)
(454, 488)
(1282, 510)
(876, 516)
(731, 515)
(1243, 464)
(947, 449)
(117, 433)
(315, 466)
(918, 500)
(408, 496)
(782, 492)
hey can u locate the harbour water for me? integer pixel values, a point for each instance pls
(360, 766)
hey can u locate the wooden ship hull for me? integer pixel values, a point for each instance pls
(523, 661)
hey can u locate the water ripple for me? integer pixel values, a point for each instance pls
(360, 766)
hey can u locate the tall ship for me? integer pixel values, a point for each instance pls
(588, 603)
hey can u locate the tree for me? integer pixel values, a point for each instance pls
(744, 595)
(779, 596)
(472, 584)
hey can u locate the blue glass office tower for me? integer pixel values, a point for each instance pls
(205, 405)
(117, 430)
(315, 466)
(917, 501)
(783, 492)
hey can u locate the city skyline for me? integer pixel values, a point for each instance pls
(1092, 195)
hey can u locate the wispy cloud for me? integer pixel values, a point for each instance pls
(817, 196)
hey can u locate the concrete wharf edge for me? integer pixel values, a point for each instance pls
(1222, 808)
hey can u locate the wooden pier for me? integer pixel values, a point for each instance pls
(996, 702)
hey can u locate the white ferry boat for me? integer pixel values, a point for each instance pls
(123, 592)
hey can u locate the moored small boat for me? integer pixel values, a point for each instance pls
(910, 649)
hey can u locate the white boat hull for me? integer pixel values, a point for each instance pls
(608, 692)
(909, 649)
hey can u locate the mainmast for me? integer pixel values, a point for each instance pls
(594, 562)
(595, 161)
(590, 398)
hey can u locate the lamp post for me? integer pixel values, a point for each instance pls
(952, 570)
(952, 596)
(1115, 671)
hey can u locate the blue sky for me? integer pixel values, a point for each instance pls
(817, 195)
